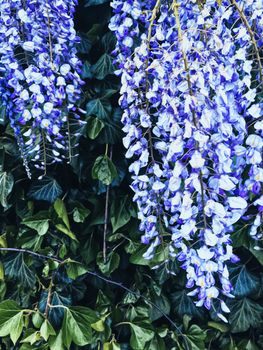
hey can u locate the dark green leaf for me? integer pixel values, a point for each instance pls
(86, 71)
(120, 213)
(101, 108)
(102, 67)
(244, 282)
(245, 313)
(47, 189)
(16, 268)
(184, 305)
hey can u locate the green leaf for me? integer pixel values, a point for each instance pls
(161, 254)
(80, 213)
(75, 269)
(223, 328)
(257, 253)
(16, 268)
(56, 343)
(61, 211)
(46, 330)
(111, 346)
(76, 326)
(31, 337)
(140, 336)
(103, 67)
(163, 304)
(38, 222)
(111, 264)
(120, 213)
(6, 186)
(66, 231)
(244, 282)
(11, 320)
(104, 170)
(45, 190)
(247, 345)
(94, 127)
(156, 343)
(94, 2)
(245, 313)
(195, 337)
(101, 108)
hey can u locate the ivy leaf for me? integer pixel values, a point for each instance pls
(46, 330)
(61, 211)
(184, 305)
(247, 345)
(156, 343)
(120, 213)
(11, 320)
(76, 326)
(56, 343)
(47, 189)
(80, 213)
(94, 127)
(86, 70)
(16, 268)
(75, 269)
(111, 346)
(244, 282)
(56, 314)
(94, 2)
(140, 336)
(101, 108)
(257, 253)
(38, 222)
(195, 337)
(163, 304)
(102, 67)
(62, 228)
(112, 262)
(245, 313)
(6, 186)
(104, 170)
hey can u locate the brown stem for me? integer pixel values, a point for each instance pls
(253, 39)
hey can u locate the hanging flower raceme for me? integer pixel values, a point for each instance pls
(40, 75)
(185, 98)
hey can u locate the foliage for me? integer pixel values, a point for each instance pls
(78, 279)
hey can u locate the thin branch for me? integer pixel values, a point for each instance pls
(41, 256)
(146, 300)
(95, 274)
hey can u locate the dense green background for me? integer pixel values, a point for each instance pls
(105, 299)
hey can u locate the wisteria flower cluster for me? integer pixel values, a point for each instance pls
(39, 74)
(191, 83)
